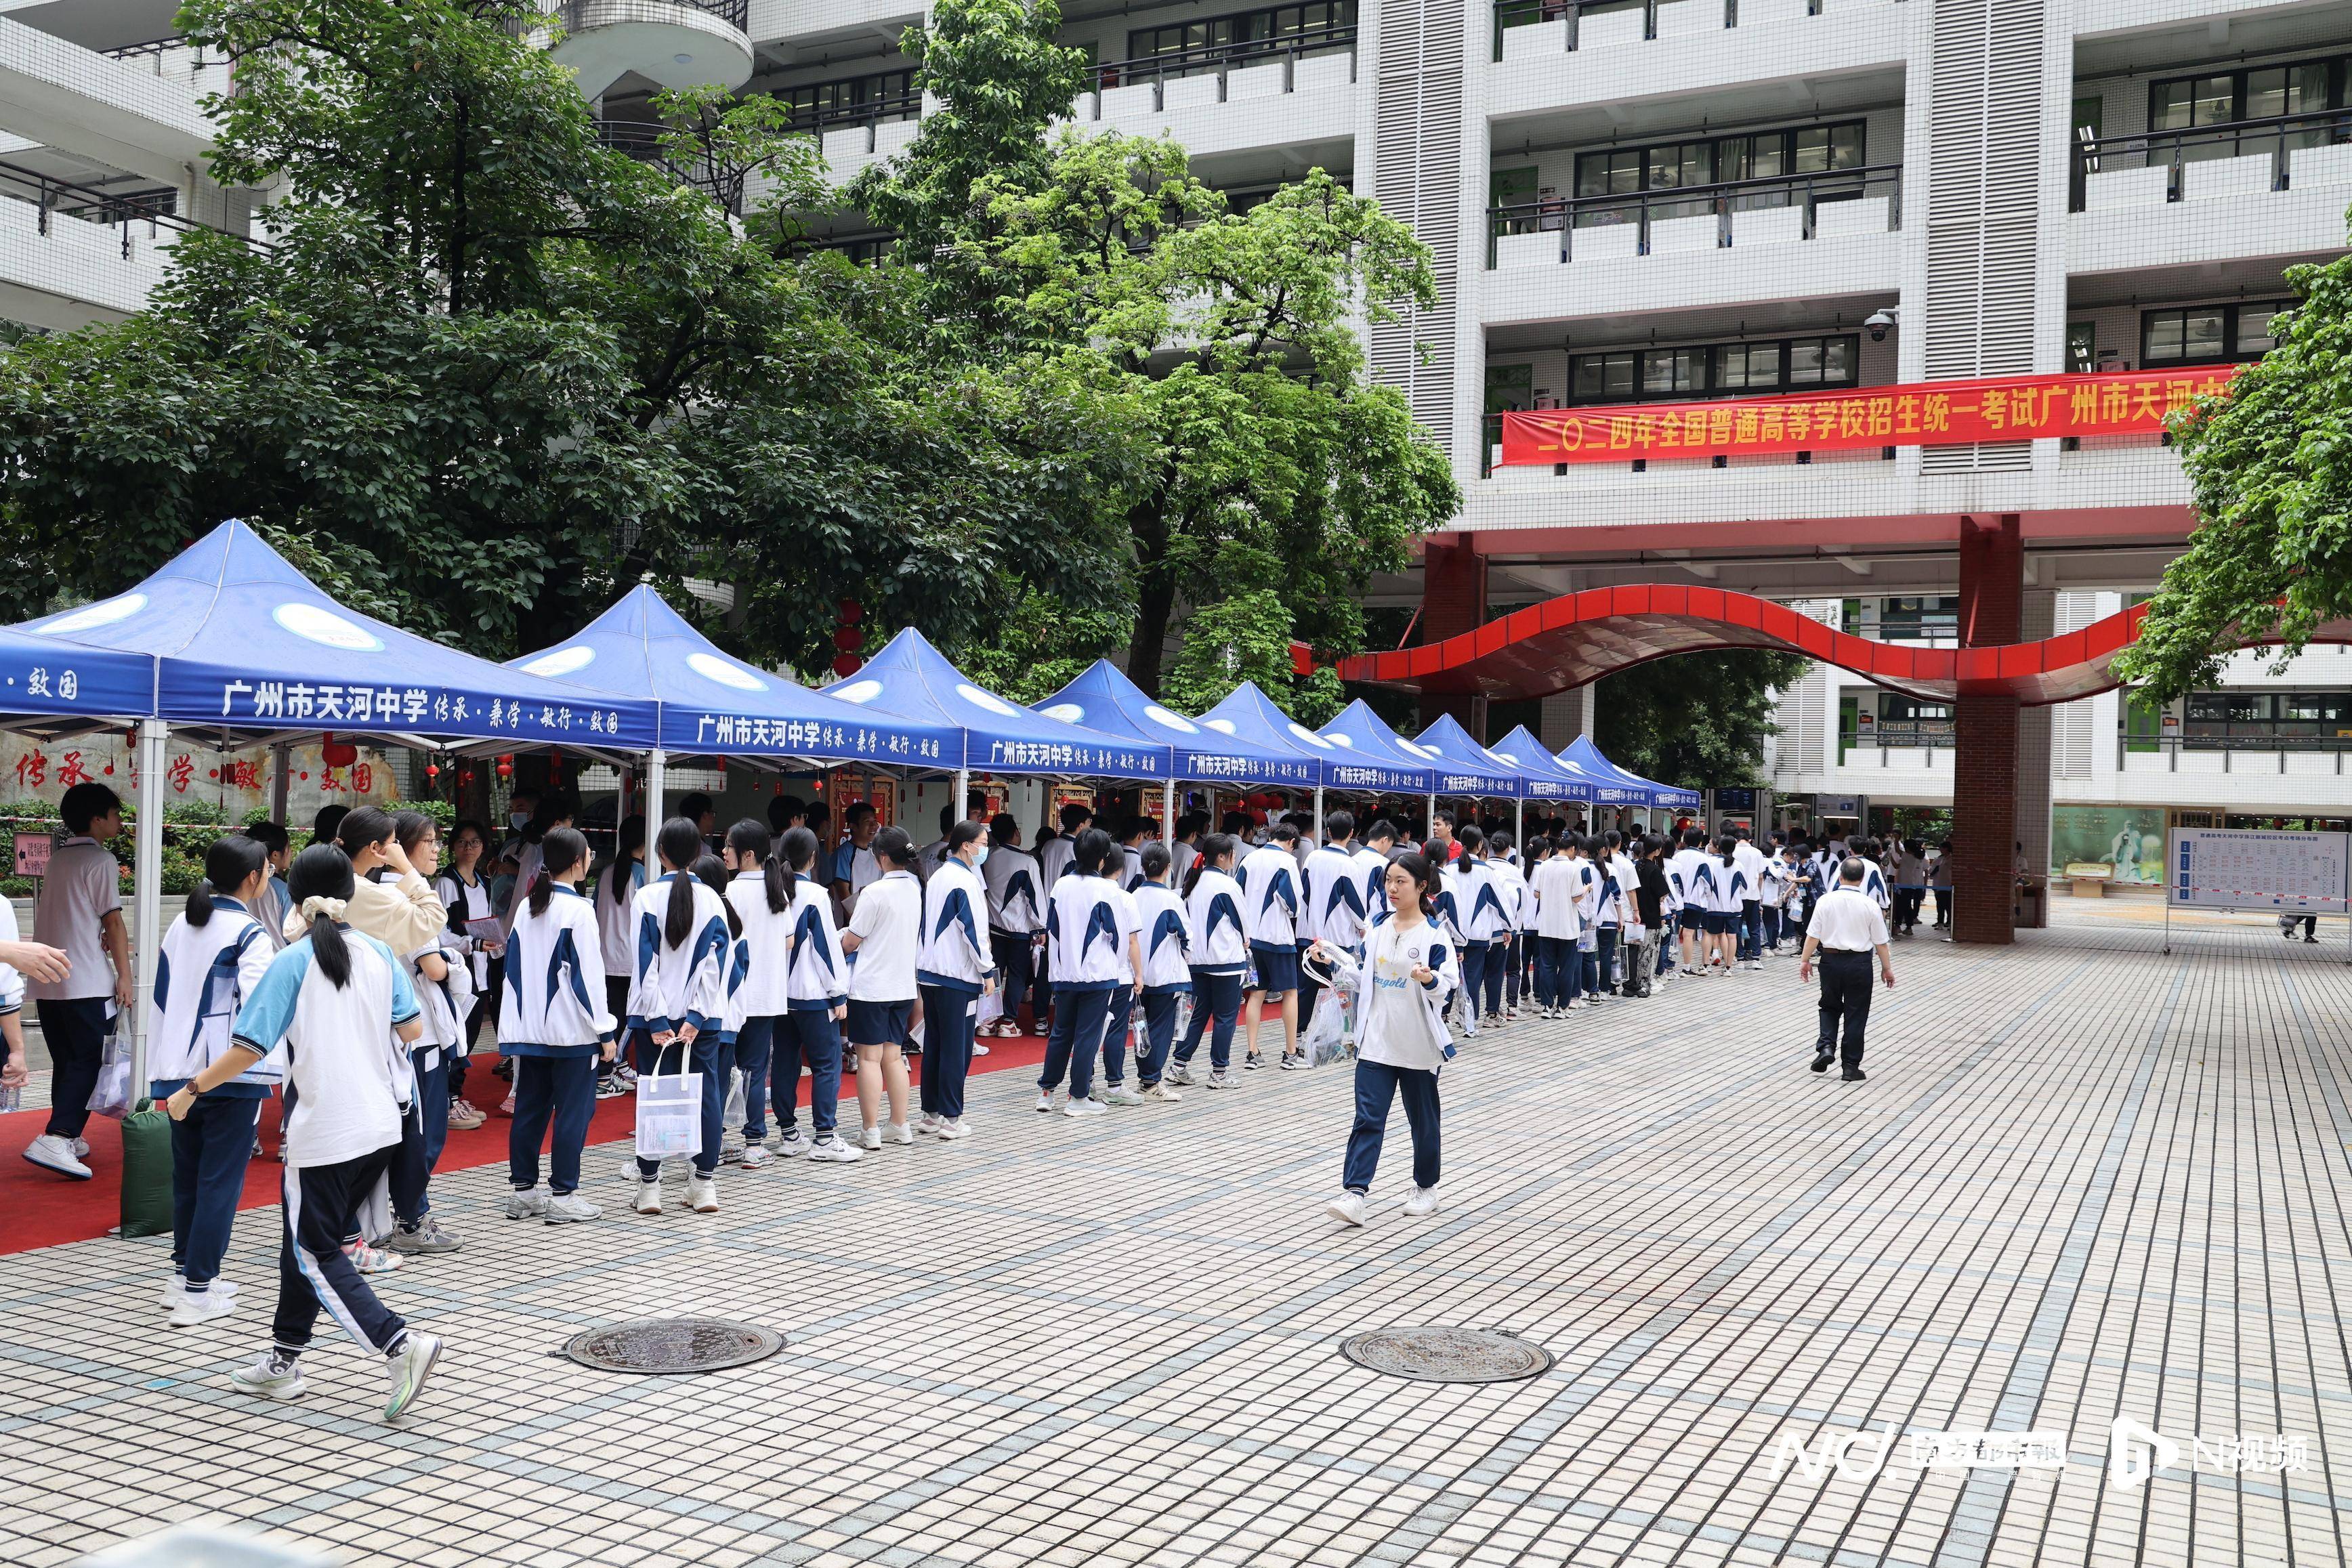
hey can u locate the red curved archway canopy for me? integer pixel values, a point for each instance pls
(1580, 637)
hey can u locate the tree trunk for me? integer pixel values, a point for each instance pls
(1155, 597)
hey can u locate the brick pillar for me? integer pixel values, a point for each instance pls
(1452, 601)
(1984, 773)
(2037, 619)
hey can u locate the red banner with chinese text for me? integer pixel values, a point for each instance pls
(1920, 414)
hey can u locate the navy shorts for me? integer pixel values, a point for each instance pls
(1719, 923)
(1277, 969)
(878, 1023)
(1688, 919)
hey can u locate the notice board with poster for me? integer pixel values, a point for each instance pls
(2223, 868)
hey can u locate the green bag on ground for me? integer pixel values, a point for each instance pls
(147, 1170)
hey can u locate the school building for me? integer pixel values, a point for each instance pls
(1629, 203)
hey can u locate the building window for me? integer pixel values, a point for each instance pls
(1908, 721)
(852, 100)
(2268, 721)
(1715, 370)
(2209, 334)
(1720, 159)
(2263, 92)
(1919, 618)
(1248, 34)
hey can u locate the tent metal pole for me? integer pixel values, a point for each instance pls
(1168, 815)
(1209, 805)
(1519, 827)
(963, 797)
(1319, 813)
(1429, 817)
(655, 761)
(282, 781)
(147, 891)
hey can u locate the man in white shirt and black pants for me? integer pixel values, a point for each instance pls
(1846, 928)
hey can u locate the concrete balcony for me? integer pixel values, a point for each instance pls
(2226, 193)
(123, 114)
(670, 43)
(1228, 106)
(850, 150)
(1861, 484)
(59, 272)
(1565, 59)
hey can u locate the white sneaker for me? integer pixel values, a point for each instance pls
(1178, 1074)
(730, 1148)
(649, 1199)
(1162, 1094)
(1220, 1080)
(1295, 1063)
(529, 1204)
(193, 1310)
(571, 1208)
(409, 1370)
(370, 1259)
(949, 1129)
(871, 1138)
(702, 1193)
(790, 1145)
(81, 1149)
(1348, 1208)
(270, 1375)
(1121, 1094)
(978, 1049)
(52, 1153)
(897, 1133)
(1045, 1102)
(836, 1152)
(1088, 1107)
(1422, 1201)
(754, 1156)
(177, 1286)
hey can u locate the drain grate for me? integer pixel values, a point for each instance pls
(1447, 1355)
(672, 1346)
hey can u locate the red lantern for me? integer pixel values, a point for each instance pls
(465, 776)
(433, 770)
(851, 611)
(505, 767)
(848, 638)
(337, 753)
(846, 665)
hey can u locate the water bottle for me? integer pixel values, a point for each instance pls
(11, 1097)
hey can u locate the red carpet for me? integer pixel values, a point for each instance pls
(43, 1208)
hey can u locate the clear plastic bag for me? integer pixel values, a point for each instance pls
(111, 1097)
(669, 1112)
(1328, 1037)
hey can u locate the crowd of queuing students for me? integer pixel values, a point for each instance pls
(354, 980)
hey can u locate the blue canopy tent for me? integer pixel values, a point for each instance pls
(1612, 785)
(55, 692)
(711, 705)
(911, 681)
(1103, 698)
(241, 645)
(1377, 758)
(1248, 715)
(1547, 780)
(1466, 768)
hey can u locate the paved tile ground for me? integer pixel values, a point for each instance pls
(2084, 1180)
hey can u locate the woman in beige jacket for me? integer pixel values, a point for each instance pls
(403, 913)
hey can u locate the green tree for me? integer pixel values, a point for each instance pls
(1247, 638)
(1230, 340)
(486, 370)
(1696, 719)
(2270, 465)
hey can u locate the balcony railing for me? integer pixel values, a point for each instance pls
(1205, 59)
(1784, 208)
(873, 112)
(175, 56)
(1573, 24)
(736, 14)
(103, 209)
(642, 139)
(2229, 754)
(2153, 167)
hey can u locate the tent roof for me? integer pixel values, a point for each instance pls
(1249, 714)
(1376, 756)
(1466, 768)
(244, 643)
(712, 702)
(909, 679)
(51, 690)
(1103, 698)
(1548, 781)
(1614, 786)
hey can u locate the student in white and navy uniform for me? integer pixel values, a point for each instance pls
(816, 1001)
(677, 1000)
(1166, 940)
(1372, 856)
(1332, 898)
(759, 972)
(1269, 879)
(444, 997)
(1682, 877)
(1873, 877)
(1773, 888)
(555, 1025)
(1480, 919)
(954, 969)
(464, 893)
(212, 959)
(883, 936)
(1218, 958)
(1554, 886)
(615, 899)
(339, 1005)
(1725, 886)
(1401, 985)
(1604, 915)
(1750, 862)
(1017, 918)
(1119, 1017)
(1055, 853)
(80, 913)
(1085, 963)
(1130, 849)
(1510, 955)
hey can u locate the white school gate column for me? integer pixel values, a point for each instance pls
(655, 762)
(147, 891)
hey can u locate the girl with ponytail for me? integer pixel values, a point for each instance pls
(212, 959)
(340, 1007)
(816, 1000)
(554, 1027)
(760, 899)
(884, 931)
(678, 999)
(1219, 956)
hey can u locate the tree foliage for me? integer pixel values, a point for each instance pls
(1247, 638)
(1697, 720)
(2270, 465)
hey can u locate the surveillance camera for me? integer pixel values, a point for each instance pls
(1879, 322)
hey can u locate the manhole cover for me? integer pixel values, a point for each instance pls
(673, 1345)
(1447, 1355)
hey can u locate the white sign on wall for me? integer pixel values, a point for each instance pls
(2215, 868)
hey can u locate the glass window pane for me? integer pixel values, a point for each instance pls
(2203, 335)
(2169, 106)
(2216, 100)
(1805, 362)
(1812, 150)
(2164, 328)
(1620, 373)
(1845, 146)
(2254, 331)
(1838, 356)
(1592, 175)
(1731, 161)
(1767, 155)
(1587, 382)
(2266, 93)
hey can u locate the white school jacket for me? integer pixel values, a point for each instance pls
(672, 987)
(553, 1003)
(1681, 867)
(1016, 897)
(1478, 910)
(1334, 902)
(1167, 937)
(888, 926)
(1401, 1021)
(1606, 892)
(953, 952)
(467, 902)
(1213, 916)
(1372, 867)
(1511, 884)
(1751, 862)
(1269, 880)
(763, 950)
(347, 1074)
(1553, 885)
(1086, 948)
(202, 977)
(819, 978)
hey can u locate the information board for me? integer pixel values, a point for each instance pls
(33, 853)
(2216, 868)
